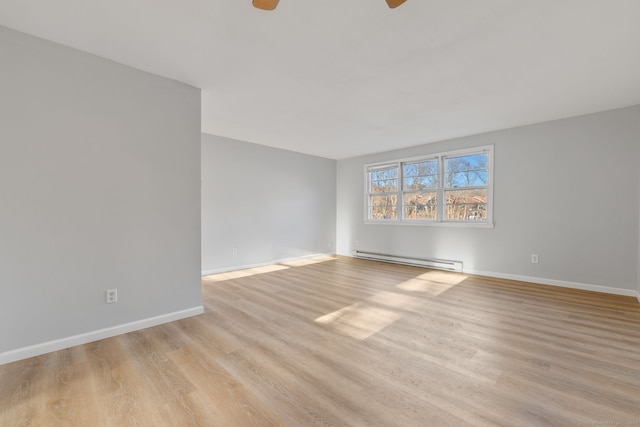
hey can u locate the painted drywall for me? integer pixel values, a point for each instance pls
(99, 188)
(566, 190)
(269, 204)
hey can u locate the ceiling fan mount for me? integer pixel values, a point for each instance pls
(272, 4)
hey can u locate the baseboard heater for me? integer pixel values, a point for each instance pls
(440, 264)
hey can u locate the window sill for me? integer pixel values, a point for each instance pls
(434, 224)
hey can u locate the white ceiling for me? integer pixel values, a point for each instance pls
(340, 78)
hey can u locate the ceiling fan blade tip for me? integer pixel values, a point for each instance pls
(394, 3)
(265, 4)
(272, 4)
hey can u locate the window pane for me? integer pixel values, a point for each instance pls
(383, 207)
(420, 175)
(384, 180)
(470, 178)
(420, 206)
(421, 182)
(429, 167)
(383, 213)
(467, 171)
(386, 173)
(467, 205)
(384, 186)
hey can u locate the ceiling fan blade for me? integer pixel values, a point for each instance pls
(265, 4)
(395, 3)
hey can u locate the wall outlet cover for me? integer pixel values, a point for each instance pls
(112, 296)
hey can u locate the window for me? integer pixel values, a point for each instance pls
(446, 188)
(420, 190)
(383, 189)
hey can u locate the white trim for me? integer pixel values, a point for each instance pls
(458, 224)
(72, 341)
(428, 156)
(439, 264)
(440, 190)
(261, 264)
(559, 283)
(551, 282)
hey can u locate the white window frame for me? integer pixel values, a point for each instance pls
(440, 220)
(397, 193)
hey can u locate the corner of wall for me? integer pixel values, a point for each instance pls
(637, 125)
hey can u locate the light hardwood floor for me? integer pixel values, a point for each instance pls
(349, 342)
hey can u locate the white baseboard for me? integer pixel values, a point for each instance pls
(60, 344)
(552, 282)
(560, 283)
(261, 264)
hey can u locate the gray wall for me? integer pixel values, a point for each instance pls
(270, 204)
(567, 190)
(99, 174)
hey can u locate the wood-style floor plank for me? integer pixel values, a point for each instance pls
(345, 342)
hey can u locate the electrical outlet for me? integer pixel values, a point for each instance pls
(534, 258)
(235, 251)
(112, 296)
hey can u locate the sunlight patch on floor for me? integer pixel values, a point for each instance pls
(423, 286)
(443, 277)
(432, 282)
(363, 319)
(309, 261)
(395, 300)
(243, 273)
(360, 320)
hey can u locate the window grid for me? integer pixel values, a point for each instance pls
(419, 190)
(453, 187)
(383, 192)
